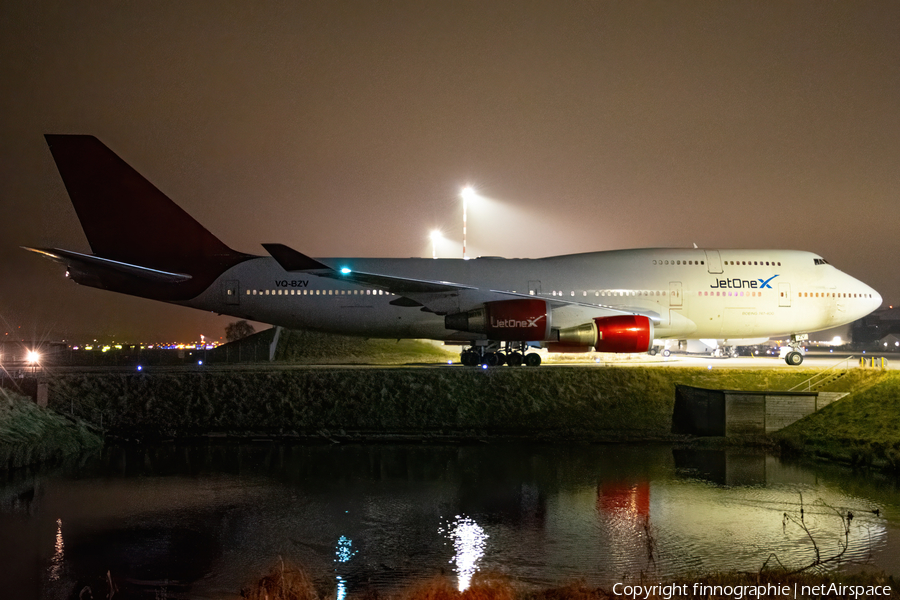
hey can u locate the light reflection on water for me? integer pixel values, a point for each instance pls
(56, 563)
(343, 554)
(208, 521)
(468, 544)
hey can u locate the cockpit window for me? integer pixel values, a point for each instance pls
(820, 261)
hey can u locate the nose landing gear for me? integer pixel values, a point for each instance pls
(795, 356)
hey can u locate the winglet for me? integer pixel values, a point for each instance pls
(291, 260)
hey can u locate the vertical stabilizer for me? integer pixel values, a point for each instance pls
(125, 217)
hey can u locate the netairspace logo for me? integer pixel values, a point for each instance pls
(468, 541)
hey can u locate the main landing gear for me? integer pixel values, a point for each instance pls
(725, 352)
(492, 355)
(794, 357)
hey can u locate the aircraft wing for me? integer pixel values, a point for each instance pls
(293, 261)
(444, 296)
(586, 309)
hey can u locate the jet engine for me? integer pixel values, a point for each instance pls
(622, 333)
(525, 320)
(563, 348)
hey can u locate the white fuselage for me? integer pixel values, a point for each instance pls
(692, 293)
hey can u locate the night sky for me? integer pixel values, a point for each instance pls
(348, 129)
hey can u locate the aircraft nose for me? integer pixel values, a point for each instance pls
(876, 299)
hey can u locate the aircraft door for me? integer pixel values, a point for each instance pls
(713, 261)
(232, 292)
(784, 294)
(674, 293)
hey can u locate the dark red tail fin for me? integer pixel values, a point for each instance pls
(124, 216)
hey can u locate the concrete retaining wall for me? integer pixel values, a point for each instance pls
(705, 412)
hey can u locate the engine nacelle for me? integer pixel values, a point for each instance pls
(622, 333)
(564, 348)
(525, 320)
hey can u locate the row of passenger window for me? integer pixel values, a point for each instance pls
(678, 262)
(831, 295)
(599, 293)
(734, 293)
(752, 263)
(318, 293)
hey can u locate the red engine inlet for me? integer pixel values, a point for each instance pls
(623, 333)
(627, 333)
(525, 320)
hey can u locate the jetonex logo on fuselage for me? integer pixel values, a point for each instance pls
(738, 284)
(515, 323)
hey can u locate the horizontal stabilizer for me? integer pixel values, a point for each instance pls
(95, 265)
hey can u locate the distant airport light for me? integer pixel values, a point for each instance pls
(435, 236)
(345, 270)
(140, 368)
(33, 357)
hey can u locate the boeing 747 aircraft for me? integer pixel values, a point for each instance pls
(144, 245)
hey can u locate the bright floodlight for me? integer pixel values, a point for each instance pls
(468, 193)
(33, 357)
(435, 236)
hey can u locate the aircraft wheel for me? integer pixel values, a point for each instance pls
(514, 359)
(492, 359)
(793, 358)
(652, 351)
(667, 353)
(469, 358)
(501, 358)
(533, 360)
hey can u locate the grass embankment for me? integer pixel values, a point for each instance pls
(863, 428)
(578, 403)
(31, 434)
(310, 348)
(292, 583)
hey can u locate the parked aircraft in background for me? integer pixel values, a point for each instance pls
(144, 245)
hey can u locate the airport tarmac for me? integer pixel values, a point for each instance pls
(812, 360)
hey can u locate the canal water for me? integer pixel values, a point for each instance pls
(205, 521)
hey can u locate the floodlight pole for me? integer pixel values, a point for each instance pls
(466, 193)
(465, 206)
